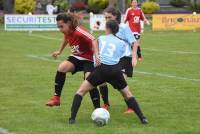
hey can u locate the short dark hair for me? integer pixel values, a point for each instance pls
(68, 17)
(114, 12)
(113, 26)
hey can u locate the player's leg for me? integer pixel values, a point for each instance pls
(127, 70)
(94, 94)
(139, 51)
(93, 80)
(84, 88)
(118, 82)
(64, 67)
(103, 88)
(88, 67)
(129, 109)
(132, 103)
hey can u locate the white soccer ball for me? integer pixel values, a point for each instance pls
(100, 116)
(194, 13)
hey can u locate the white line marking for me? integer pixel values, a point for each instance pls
(44, 37)
(168, 76)
(176, 52)
(148, 49)
(5, 131)
(140, 72)
(42, 58)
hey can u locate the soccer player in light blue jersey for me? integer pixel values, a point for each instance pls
(111, 49)
(129, 58)
(108, 50)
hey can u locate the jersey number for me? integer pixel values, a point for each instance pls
(136, 19)
(110, 49)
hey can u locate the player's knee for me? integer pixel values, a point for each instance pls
(82, 91)
(126, 92)
(86, 75)
(61, 68)
(84, 88)
(64, 67)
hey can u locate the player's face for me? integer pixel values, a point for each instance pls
(109, 16)
(134, 3)
(63, 27)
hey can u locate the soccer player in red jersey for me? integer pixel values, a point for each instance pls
(81, 58)
(134, 15)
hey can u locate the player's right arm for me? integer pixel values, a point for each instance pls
(59, 51)
(127, 15)
(96, 51)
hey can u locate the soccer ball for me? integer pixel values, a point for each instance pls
(100, 116)
(194, 13)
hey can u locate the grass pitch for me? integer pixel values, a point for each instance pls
(166, 84)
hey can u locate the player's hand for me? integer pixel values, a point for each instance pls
(97, 61)
(134, 61)
(148, 23)
(142, 31)
(55, 54)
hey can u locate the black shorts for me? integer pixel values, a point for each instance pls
(81, 65)
(137, 36)
(126, 66)
(107, 73)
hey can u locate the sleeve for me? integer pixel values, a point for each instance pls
(142, 17)
(127, 15)
(129, 35)
(87, 37)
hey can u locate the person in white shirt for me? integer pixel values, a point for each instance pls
(50, 9)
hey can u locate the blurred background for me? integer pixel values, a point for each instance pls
(96, 6)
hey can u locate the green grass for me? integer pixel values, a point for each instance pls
(166, 83)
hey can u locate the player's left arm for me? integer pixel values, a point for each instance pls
(134, 53)
(143, 18)
(133, 42)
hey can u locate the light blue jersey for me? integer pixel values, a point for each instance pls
(111, 49)
(126, 34)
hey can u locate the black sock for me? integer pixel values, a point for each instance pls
(94, 95)
(139, 52)
(59, 82)
(75, 106)
(126, 103)
(132, 103)
(104, 94)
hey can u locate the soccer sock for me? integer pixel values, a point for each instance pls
(75, 106)
(59, 82)
(94, 95)
(104, 94)
(126, 103)
(139, 52)
(132, 103)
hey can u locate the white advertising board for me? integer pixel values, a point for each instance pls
(30, 22)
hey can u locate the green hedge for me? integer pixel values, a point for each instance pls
(195, 6)
(96, 6)
(178, 3)
(1, 19)
(150, 7)
(24, 6)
